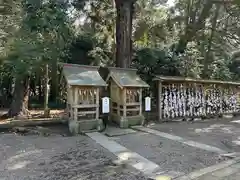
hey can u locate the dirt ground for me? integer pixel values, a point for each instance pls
(224, 134)
(58, 158)
(39, 113)
(61, 156)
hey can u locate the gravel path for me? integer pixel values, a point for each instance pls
(58, 158)
(221, 134)
(170, 155)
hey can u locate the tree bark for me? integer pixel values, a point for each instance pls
(46, 92)
(124, 32)
(39, 89)
(54, 82)
(19, 105)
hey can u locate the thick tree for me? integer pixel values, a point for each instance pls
(124, 32)
(41, 39)
(123, 28)
(193, 38)
(19, 105)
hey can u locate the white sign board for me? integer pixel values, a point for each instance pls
(147, 104)
(105, 105)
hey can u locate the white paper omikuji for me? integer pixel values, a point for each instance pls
(179, 101)
(105, 105)
(147, 104)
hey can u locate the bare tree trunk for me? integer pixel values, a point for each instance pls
(54, 80)
(39, 89)
(46, 92)
(114, 35)
(124, 32)
(19, 105)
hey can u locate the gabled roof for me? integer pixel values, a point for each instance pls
(81, 75)
(125, 77)
(186, 79)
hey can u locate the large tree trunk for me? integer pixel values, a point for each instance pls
(54, 82)
(46, 92)
(40, 93)
(124, 32)
(19, 105)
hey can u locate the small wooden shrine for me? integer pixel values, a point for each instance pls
(180, 97)
(83, 89)
(125, 88)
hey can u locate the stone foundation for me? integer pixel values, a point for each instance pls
(228, 116)
(81, 126)
(126, 122)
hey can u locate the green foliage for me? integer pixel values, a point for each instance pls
(159, 31)
(81, 47)
(41, 38)
(192, 38)
(151, 61)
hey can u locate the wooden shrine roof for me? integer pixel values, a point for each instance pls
(186, 79)
(124, 77)
(81, 75)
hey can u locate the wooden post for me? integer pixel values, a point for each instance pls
(140, 101)
(124, 102)
(87, 96)
(97, 103)
(221, 97)
(70, 95)
(75, 103)
(118, 98)
(159, 100)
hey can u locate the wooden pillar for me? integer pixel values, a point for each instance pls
(124, 102)
(75, 103)
(97, 103)
(68, 104)
(221, 97)
(159, 100)
(118, 103)
(71, 102)
(140, 101)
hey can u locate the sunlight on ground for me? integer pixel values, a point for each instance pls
(18, 161)
(125, 156)
(134, 161)
(220, 127)
(24, 154)
(237, 142)
(19, 165)
(163, 178)
(236, 121)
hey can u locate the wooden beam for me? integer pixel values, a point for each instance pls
(85, 106)
(86, 112)
(75, 103)
(140, 101)
(124, 102)
(133, 104)
(159, 100)
(97, 103)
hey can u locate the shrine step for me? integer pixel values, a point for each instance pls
(126, 156)
(114, 131)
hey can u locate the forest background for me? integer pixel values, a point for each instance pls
(194, 38)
